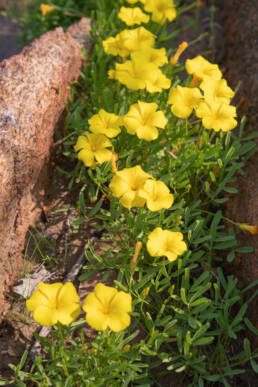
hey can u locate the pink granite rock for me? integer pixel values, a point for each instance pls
(32, 96)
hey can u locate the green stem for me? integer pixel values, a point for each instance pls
(185, 9)
(202, 36)
(223, 217)
(63, 348)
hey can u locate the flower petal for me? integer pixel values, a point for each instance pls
(104, 293)
(82, 142)
(122, 302)
(118, 185)
(148, 133)
(36, 299)
(87, 157)
(68, 313)
(103, 155)
(67, 295)
(45, 316)
(119, 321)
(50, 290)
(97, 320)
(91, 303)
(128, 198)
(155, 241)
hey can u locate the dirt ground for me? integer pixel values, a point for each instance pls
(8, 38)
(54, 232)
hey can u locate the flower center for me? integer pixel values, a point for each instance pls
(161, 7)
(105, 309)
(94, 148)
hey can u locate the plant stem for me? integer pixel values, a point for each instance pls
(63, 348)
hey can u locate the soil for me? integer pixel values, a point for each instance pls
(54, 233)
(241, 61)
(9, 34)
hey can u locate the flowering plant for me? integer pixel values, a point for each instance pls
(151, 149)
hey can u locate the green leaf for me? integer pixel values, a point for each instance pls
(231, 190)
(200, 383)
(225, 245)
(86, 275)
(201, 331)
(215, 222)
(82, 202)
(245, 249)
(231, 256)
(246, 148)
(247, 347)
(254, 366)
(95, 209)
(148, 321)
(222, 278)
(188, 337)
(212, 378)
(250, 286)
(203, 277)
(203, 341)
(181, 369)
(120, 286)
(239, 316)
(221, 200)
(23, 359)
(179, 342)
(202, 300)
(200, 291)
(183, 296)
(250, 326)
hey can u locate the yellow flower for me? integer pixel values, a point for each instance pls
(157, 195)
(166, 243)
(54, 303)
(126, 185)
(143, 120)
(181, 48)
(137, 39)
(155, 56)
(92, 149)
(106, 307)
(216, 115)
(247, 227)
(44, 9)
(133, 16)
(202, 68)
(105, 123)
(115, 46)
(217, 89)
(162, 10)
(184, 100)
(133, 73)
(157, 82)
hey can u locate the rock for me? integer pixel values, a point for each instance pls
(33, 91)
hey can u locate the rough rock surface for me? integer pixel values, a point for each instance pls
(241, 35)
(33, 91)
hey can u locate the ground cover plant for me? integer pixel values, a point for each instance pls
(153, 145)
